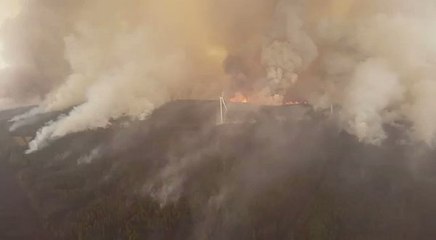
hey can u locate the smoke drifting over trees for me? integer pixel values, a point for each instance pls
(372, 59)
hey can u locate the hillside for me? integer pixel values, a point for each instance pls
(268, 173)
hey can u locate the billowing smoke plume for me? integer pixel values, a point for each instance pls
(33, 48)
(371, 59)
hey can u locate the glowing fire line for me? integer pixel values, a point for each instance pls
(241, 98)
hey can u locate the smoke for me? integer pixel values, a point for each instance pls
(133, 62)
(8, 9)
(88, 159)
(368, 99)
(372, 59)
(33, 48)
(391, 49)
(289, 50)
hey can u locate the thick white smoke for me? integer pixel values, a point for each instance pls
(373, 59)
(129, 67)
(388, 61)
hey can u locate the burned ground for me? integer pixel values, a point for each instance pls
(284, 173)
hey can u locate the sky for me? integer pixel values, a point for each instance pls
(8, 9)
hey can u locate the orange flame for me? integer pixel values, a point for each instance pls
(239, 98)
(296, 102)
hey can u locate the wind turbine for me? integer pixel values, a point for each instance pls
(223, 108)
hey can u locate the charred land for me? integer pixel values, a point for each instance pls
(270, 173)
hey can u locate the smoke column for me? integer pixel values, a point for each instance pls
(371, 59)
(8, 9)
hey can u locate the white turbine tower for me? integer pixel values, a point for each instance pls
(223, 109)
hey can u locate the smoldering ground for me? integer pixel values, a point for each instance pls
(274, 177)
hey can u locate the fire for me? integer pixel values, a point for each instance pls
(239, 98)
(296, 102)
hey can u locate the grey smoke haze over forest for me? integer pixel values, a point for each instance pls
(372, 59)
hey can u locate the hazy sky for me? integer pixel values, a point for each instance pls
(8, 8)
